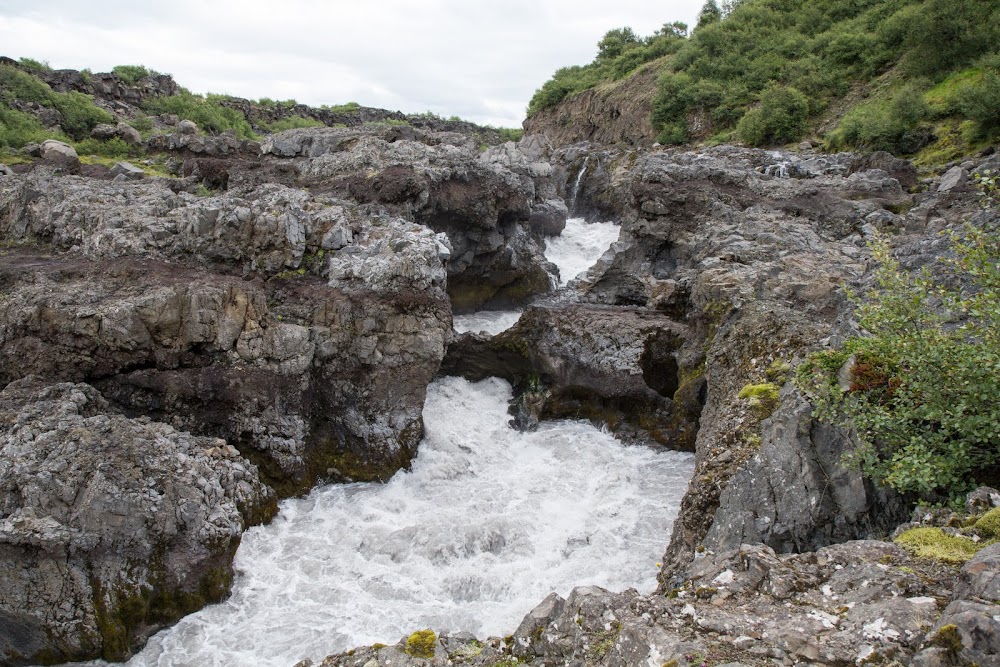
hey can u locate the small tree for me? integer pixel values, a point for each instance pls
(616, 42)
(922, 388)
(780, 118)
(710, 13)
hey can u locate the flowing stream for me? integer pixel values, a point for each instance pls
(486, 524)
(580, 245)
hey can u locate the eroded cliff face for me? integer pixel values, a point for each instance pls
(274, 333)
(610, 114)
(741, 257)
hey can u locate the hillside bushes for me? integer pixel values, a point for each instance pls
(78, 112)
(714, 81)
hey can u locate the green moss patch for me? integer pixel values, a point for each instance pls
(988, 525)
(421, 644)
(938, 545)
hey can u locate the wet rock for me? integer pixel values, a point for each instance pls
(796, 495)
(548, 218)
(110, 528)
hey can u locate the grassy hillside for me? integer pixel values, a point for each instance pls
(913, 75)
(32, 111)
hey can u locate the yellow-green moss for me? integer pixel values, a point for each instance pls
(421, 644)
(988, 525)
(948, 638)
(762, 398)
(936, 544)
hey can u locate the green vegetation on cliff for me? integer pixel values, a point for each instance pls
(922, 388)
(769, 71)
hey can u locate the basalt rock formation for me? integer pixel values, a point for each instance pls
(110, 527)
(290, 319)
(739, 257)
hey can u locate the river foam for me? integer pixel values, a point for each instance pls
(487, 523)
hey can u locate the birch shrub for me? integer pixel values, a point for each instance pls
(921, 388)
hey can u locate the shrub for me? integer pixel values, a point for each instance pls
(780, 118)
(924, 396)
(79, 113)
(18, 128)
(37, 65)
(208, 112)
(133, 74)
(979, 100)
(886, 125)
(113, 147)
(18, 85)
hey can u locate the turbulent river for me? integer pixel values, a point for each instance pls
(484, 526)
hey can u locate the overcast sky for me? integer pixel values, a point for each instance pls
(478, 59)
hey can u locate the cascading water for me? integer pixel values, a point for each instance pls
(575, 192)
(580, 245)
(485, 525)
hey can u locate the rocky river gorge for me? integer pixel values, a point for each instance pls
(179, 354)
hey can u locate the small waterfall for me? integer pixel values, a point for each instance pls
(779, 170)
(576, 185)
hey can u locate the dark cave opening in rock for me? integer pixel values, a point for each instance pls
(659, 364)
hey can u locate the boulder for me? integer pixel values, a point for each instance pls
(110, 528)
(128, 171)
(187, 127)
(548, 218)
(61, 155)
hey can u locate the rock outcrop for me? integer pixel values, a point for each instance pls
(326, 306)
(860, 602)
(110, 527)
(612, 113)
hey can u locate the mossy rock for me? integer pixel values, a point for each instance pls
(938, 545)
(421, 644)
(762, 398)
(988, 525)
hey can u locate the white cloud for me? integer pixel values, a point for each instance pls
(479, 60)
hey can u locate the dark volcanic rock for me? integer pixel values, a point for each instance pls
(439, 181)
(110, 528)
(617, 367)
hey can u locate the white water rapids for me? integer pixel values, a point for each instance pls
(486, 524)
(580, 245)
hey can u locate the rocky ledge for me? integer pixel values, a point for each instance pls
(110, 528)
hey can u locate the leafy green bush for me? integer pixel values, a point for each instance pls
(207, 111)
(79, 113)
(886, 125)
(924, 392)
(820, 49)
(133, 74)
(979, 100)
(780, 118)
(113, 147)
(18, 85)
(37, 65)
(18, 128)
